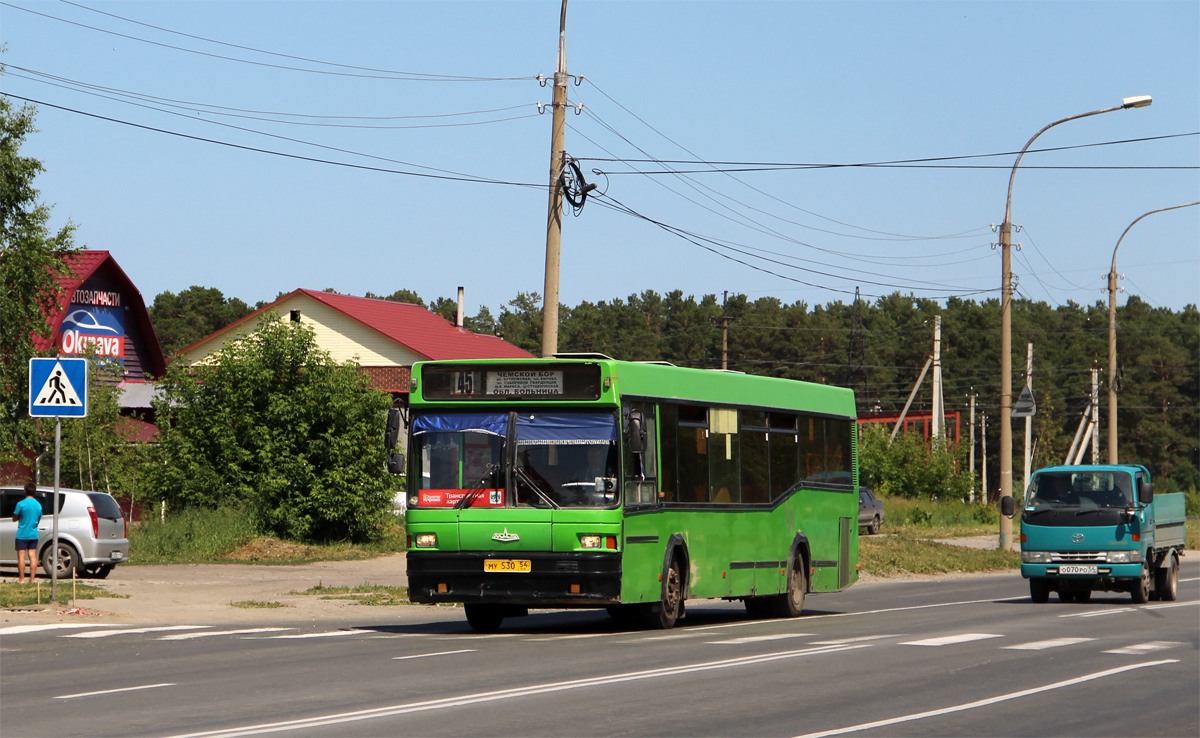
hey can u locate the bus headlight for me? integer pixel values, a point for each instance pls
(1035, 557)
(589, 541)
(426, 540)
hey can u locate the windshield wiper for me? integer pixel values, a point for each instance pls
(1038, 511)
(523, 475)
(474, 490)
(1089, 510)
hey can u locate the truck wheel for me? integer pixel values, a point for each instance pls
(1039, 590)
(1166, 584)
(1141, 587)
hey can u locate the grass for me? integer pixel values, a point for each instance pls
(364, 594)
(228, 536)
(23, 595)
(1193, 534)
(257, 604)
(888, 556)
(940, 518)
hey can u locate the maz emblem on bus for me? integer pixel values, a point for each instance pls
(505, 537)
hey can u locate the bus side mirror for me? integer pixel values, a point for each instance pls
(636, 428)
(1145, 493)
(391, 439)
(1007, 508)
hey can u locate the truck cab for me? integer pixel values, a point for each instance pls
(1100, 528)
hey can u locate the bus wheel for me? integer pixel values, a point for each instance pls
(791, 603)
(1039, 590)
(1166, 581)
(484, 618)
(662, 615)
(1141, 586)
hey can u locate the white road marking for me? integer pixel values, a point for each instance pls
(107, 633)
(1171, 604)
(986, 702)
(569, 637)
(508, 694)
(1095, 613)
(756, 639)
(112, 691)
(16, 629)
(860, 639)
(1191, 579)
(1144, 648)
(1043, 645)
(951, 639)
(323, 634)
(207, 634)
(439, 653)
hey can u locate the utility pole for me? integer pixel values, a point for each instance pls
(558, 158)
(1028, 420)
(724, 332)
(939, 414)
(1095, 415)
(971, 464)
(983, 459)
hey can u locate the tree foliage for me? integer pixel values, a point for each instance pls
(907, 467)
(32, 259)
(273, 423)
(181, 320)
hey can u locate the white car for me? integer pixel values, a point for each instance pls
(91, 531)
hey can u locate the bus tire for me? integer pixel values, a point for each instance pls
(1039, 590)
(1166, 582)
(791, 603)
(1141, 586)
(484, 618)
(662, 615)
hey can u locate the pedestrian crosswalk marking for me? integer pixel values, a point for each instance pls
(57, 390)
(1043, 645)
(1140, 648)
(947, 640)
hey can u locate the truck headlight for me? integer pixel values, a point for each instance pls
(426, 540)
(1035, 557)
(1124, 557)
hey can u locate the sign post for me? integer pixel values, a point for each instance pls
(57, 389)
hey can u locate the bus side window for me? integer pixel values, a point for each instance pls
(693, 453)
(668, 419)
(837, 457)
(812, 447)
(641, 470)
(755, 468)
(784, 453)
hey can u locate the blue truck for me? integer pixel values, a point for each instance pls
(1100, 528)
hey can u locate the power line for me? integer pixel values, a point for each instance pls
(387, 74)
(784, 166)
(458, 178)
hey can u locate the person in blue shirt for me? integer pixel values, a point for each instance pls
(27, 516)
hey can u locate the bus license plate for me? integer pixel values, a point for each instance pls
(1077, 569)
(506, 565)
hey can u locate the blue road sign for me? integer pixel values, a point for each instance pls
(58, 388)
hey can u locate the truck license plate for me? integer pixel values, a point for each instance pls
(1077, 569)
(507, 565)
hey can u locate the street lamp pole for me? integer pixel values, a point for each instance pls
(1006, 400)
(1112, 336)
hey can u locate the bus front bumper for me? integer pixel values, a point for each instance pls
(553, 579)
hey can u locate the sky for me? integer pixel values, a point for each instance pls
(434, 159)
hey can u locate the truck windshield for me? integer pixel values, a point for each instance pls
(560, 459)
(1088, 489)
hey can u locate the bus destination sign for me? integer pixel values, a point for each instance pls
(525, 382)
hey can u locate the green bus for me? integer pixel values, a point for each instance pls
(584, 482)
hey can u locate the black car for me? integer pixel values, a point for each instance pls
(870, 510)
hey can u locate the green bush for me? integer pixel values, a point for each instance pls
(1191, 502)
(907, 467)
(190, 535)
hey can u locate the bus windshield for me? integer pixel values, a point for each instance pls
(559, 459)
(1082, 489)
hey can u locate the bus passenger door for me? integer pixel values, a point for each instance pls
(644, 541)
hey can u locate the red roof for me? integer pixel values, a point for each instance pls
(83, 265)
(409, 325)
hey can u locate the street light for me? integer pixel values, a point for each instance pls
(1112, 337)
(1006, 401)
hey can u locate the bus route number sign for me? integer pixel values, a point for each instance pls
(464, 383)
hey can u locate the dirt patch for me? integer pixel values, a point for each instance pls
(263, 548)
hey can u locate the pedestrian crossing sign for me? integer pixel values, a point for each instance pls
(58, 388)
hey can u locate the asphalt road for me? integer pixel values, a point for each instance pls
(970, 656)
